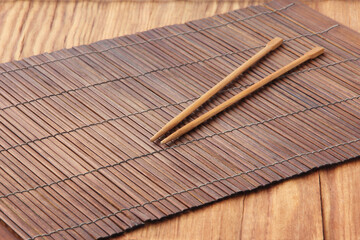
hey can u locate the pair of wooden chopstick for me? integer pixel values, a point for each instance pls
(272, 45)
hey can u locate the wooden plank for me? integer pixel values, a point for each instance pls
(195, 224)
(341, 200)
(6, 233)
(289, 210)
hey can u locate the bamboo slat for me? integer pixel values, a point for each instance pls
(76, 160)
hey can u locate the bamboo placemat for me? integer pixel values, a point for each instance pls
(76, 160)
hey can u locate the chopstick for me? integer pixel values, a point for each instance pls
(307, 56)
(271, 45)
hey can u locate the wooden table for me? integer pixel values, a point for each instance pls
(322, 204)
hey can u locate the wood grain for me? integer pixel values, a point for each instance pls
(326, 202)
(292, 210)
(341, 201)
(193, 224)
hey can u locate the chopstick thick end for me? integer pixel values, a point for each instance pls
(274, 43)
(316, 51)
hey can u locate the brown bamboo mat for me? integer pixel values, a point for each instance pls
(76, 160)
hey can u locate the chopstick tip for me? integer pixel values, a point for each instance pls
(164, 141)
(158, 134)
